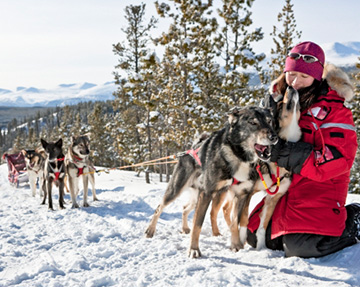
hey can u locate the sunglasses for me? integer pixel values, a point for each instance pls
(306, 58)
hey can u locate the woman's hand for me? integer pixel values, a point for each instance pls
(291, 155)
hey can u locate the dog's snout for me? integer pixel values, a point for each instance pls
(272, 137)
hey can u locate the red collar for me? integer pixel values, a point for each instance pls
(76, 157)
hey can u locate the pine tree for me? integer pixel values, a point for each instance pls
(130, 98)
(78, 128)
(355, 104)
(207, 111)
(99, 138)
(240, 59)
(65, 126)
(283, 39)
(191, 85)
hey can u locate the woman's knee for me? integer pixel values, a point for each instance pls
(301, 245)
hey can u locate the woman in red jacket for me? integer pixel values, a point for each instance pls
(311, 219)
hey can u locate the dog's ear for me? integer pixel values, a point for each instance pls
(44, 143)
(73, 139)
(233, 115)
(88, 135)
(59, 143)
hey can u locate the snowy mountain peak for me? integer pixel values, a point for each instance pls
(63, 94)
(342, 54)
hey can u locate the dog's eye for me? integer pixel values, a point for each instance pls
(252, 122)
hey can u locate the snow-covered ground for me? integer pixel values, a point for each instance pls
(104, 245)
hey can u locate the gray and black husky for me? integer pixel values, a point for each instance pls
(227, 158)
(79, 165)
(54, 170)
(286, 111)
(35, 163)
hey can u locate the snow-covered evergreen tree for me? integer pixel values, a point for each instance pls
(130, 97)
(355, 108)
(284, 39)
(235, 43)
(99, 138)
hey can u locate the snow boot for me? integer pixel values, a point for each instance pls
(353, 211)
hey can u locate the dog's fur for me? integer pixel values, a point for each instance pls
(54, 171)
(228, 154)
(35, 163)
(79, 165)
(287, 115)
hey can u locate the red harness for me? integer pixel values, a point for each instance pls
(57, 174)
(276, 180)
(194, 154)
(80, 169)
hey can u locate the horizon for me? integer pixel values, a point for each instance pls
(48, 43)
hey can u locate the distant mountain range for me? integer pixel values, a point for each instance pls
(64, 94)
(341, 54)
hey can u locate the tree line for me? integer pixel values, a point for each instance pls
(162, 103)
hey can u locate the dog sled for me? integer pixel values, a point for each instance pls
(16, 168)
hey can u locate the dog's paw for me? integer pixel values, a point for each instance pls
(217, 233)
(86, 204)
(236, 247)
(186, 230)
(149, 233)
(95, 199)
(75, 205)
(194, 253)
(260, 236)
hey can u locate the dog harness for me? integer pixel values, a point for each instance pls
(194, 154)
(80, 169)
(276, 180)
(57, 173)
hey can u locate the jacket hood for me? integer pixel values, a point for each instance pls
(339, 81)
(336, 78)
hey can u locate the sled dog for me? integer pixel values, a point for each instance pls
(286, 114)
(54, 171)
(288, 110)
(35, 162)
(227, 158)
(78, 165)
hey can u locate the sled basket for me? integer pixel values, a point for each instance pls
(16, 168)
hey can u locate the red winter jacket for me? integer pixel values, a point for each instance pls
(316, 197)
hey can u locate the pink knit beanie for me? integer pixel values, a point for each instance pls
(314, 69)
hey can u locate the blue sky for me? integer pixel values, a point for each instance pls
(45, 43)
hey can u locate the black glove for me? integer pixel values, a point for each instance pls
(291, 155)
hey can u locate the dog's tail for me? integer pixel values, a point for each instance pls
(41, 151)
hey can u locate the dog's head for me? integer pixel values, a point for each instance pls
(81, 145)
(252, 128)
(284, 108)
(288, 116)
(53, 149)
(32, 158)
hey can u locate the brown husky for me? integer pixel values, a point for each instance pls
(78, 165)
